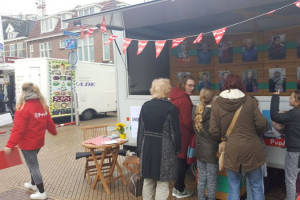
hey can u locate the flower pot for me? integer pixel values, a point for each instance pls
(123, 136)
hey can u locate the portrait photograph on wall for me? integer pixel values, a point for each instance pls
(249, 51)
(277, 80)
(250, 80)
(225, 52)
(298, 45)
(277, 49)
(181, 74)
(298, 78)
(223, 76)
(204, 53)
(204, 80)
(183, 52)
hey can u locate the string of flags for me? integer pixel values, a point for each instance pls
(159, 44)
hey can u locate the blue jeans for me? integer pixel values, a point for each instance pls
(255, 180)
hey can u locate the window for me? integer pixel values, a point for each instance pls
(31, 51)
(88, 11)
(63, 17)
(20, 49)
(12, 50)
(10, 35)
(47, 25)
(106, 48)
(61, 44)
(45, 49)
(85, 49)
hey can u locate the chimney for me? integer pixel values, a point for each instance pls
(41, 8)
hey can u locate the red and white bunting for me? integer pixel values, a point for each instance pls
(111, 38)
(177, 41)
(126, 43)
(103, 25)
(82, 29)
(297, 4)
(218, 34)
(271, 12)
(198, 39)
(159, 45)
(141, 46)
(89, 32)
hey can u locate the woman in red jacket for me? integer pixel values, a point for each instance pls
(180, 97)
(32, 119)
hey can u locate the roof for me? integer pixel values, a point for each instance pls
(23, 27)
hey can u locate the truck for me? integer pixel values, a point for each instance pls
(94, 84)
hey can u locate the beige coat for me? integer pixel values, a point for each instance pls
(243, 146)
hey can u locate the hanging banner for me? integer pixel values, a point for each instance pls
(141, 46)
(111, 38)
(82, 29)
(103, 25)
(198, 39)
(2, 54)
(159, 45)
(126, 43)
(218, 34)
(271, 12)
(297, 4)
(176, 42)
(89, 32)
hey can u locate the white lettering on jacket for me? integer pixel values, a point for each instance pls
(38, 115)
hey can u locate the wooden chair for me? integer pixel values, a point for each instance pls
(88, 133)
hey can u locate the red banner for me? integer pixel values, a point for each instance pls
(198, 39)
(103, 25)
(276, 142)
(177, 41)
(89, 32)
(297, 4)
(141, 46)
(126, 43)
(159, 45)
(111, 38)
(218, 34)
(271, 12)
(82, 32)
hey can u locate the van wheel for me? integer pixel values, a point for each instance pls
(87, 115)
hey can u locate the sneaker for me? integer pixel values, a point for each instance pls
(184, 194)
(29, 186)
(174, 192)
(38, 195)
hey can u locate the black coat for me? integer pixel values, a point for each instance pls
(206, 146)
(291, 120)
(158, 140)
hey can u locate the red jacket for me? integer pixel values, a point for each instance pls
(30, 125)
(183, 103)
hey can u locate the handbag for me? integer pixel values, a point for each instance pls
(135, 184)
(221, 152)
(191, 151)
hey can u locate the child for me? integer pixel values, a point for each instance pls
(291, 120)
(206, 147)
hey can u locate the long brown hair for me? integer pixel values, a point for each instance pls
(27, 88)
(206, 97)
(182, 81)
(297, 98)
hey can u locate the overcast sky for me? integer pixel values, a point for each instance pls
(13, 7)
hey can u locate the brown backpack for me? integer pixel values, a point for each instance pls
(135, 185)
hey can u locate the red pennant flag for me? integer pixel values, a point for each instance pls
(141, 46)
(103, 25)
(177, 41)
(159, 45)
(297, 4)
(126, 43)
(271, 12)
(198, 39)
(218, 34)
(89, 32)
(111, 38)
(82, 29)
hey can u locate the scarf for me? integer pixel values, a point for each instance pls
(31, 95)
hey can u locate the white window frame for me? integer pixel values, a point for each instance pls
(47, 25)
(81, 47)
(31, 51)
(88, 11)
(12, 50)
(64, 16)
(61, 44)
(20, 50)
(10, 35)
(105, 47)
(45, 50)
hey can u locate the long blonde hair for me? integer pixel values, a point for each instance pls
(30, 88)
(206, 97)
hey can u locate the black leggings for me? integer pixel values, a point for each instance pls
(182, 167)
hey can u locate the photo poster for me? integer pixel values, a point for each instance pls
(61, 79)
(249, 77)
(277, 49)
(134, 118)
(274, 136)
(183, 52)
(277, 80)
(181, 74)
(204, 80)
(298, 78)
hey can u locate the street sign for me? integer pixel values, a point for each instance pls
(70, 43)
(70, 33)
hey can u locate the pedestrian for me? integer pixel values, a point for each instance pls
(11, 96)
(32, 119)
(158, 141)
(291, 120)
(206, 148)
(180, 97)
(243, 150)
